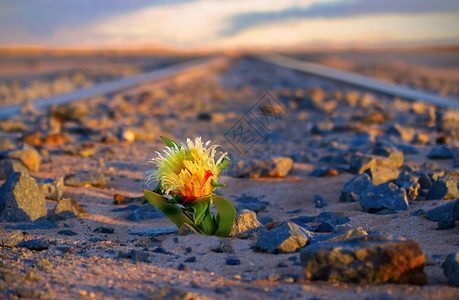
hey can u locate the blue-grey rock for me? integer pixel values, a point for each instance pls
(26, 154)
(440, 152)
(272, 167)
(319, 202)
(324, 227)
(36, 244)
(407, 149)
(331, 218)
(448, 211)
(451, 268)
(384, 196)
(285, 238)
(104, 229)
(21, 200)
(443, 188)
(446, 224)
(354, 187)
(87, 178)
(145, 212)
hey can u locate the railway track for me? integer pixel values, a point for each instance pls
(201, 65)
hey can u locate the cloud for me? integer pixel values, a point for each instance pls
(339, 9)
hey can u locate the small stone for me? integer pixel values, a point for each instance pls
(26, 154)
(9, 166)
(84, 150)
(322, 128)
(53, 188)
(191, 259)
(390, 152)
(418, 212)
(12, 239)
(331, 218)
(285, 238)
(233, 261)
(446, 224)
(67, 232)
(104, 229)
(87, 179)
(171, 293)
(68, 208)
(364, 260)
(440, 152)
(443, 188)
(273, 167)
(405, 133)
(355, 187)
(145, 212)
(360, 162)
(384, 196)
(21, 200)
(382, 174)
(186, 229)
(224, 247)
(451, 268)
(324, 172)
(444, 212)
(182, 267)
(222, 290)
(282, 265)
(350, 234)
(119, 199)
(139, 256)
(36, 244)
(246, 224)
(420, 139)
(319, 202)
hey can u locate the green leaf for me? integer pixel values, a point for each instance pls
(208, 224)
(225, 217)
(159, 189)
(221, 166)
(174, 213)
(199, 208)
(169, 142)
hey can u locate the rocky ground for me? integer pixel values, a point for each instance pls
(340, 193)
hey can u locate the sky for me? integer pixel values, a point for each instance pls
(228, 24)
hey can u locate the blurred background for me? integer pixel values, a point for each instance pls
(49, 47)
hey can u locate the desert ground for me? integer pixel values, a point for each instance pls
(292, 171)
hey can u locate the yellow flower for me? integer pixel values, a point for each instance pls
(188, 171)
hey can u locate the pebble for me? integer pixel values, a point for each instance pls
(87, 179)
(382, 174)
(26, 154)
(36, 244)
(6, 144)
(370, 259)
(440, 152)
(272, 167)
(12, 239)
(384, 196)
(448, 211)
(405, 133)
(233, 261)
(451, 268)
(67, 232)
(247, 225)
(9, 166)
(53, 188)
(443, 188)
(319, 202)
(104, 229)
(186, 229)
(68, 208)
(40, 223)
(285, 238)
(355, 187)
(360, 162)
(21, 200)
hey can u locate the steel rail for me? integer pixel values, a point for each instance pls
(358, 80)
(196, 65)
